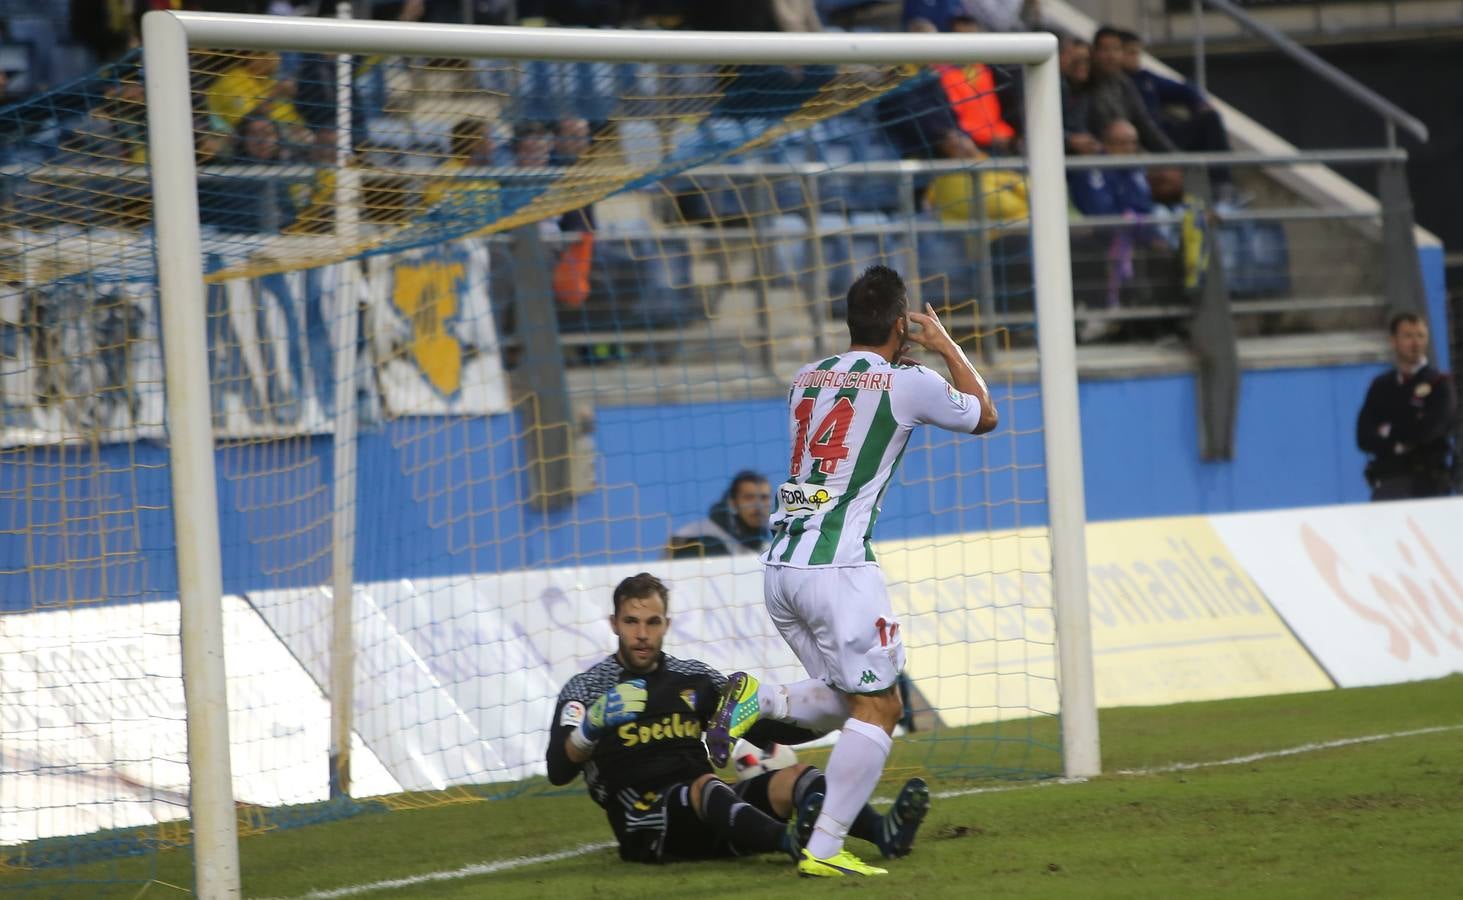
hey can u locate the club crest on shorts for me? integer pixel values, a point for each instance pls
(689, 696)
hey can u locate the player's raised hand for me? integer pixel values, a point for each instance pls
(931, 335)
(621, 704)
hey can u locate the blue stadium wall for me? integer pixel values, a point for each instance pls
(660, 466)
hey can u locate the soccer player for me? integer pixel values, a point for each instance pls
(633, 724)
(851, 416)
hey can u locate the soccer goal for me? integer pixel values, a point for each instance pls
(348, 365)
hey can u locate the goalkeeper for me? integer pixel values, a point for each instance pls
(633, 723)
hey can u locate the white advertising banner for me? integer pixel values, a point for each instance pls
(1374, 591)
(93, 730)
(457, 678)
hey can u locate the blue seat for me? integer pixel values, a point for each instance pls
(1256, 259)
(636, 283)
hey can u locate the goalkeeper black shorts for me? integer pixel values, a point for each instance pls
(662, 826)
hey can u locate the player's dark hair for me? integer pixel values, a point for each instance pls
(1408, 318)
(1128, 37)
(745, 476)
(1106, 31)
(876, 301)
(641, 587)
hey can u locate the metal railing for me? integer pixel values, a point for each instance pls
(1392, 114)
(794, 246)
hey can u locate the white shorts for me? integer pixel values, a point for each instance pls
(839, 622)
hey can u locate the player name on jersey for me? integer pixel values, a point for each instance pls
(863, 381)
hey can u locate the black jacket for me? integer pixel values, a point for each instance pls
(1420, 410)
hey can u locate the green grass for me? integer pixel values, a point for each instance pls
(1381, 819)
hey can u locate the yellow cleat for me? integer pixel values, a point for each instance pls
(844, 863)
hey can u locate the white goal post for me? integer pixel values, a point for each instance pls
(167, 39)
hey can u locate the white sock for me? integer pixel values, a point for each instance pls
(852, 774)
(771, 701)
(815, 706)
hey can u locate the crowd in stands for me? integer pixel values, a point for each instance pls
(265, 109)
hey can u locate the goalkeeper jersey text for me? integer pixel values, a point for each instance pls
(850, 417)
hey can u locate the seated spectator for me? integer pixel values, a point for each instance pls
(918, 119)
(1110, 94)
(316, 200)
(1074, 59)
(971, 91)
(108, 28)
(1002, 191)
(1135, 262)
(938, 15)
(1178, 108)
(570, 279)
(1006, 15)
(250, 88)
(1112, 192)
(736, 524)
(470, 146)
(533, 145)
(256, 203)
(1187, 232)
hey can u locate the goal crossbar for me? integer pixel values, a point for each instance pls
(167, 38)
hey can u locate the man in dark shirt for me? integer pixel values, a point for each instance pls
(1110, 94)
(632, 724)
(1406, 422)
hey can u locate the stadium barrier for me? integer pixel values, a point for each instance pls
(1183, 609)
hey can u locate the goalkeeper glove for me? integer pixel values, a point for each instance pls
(622, 704)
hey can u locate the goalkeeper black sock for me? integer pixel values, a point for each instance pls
(747, 828)
(867, 825)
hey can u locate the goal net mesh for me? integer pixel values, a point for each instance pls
(562, 302)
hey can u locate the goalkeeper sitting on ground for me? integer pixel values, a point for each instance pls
(633, 724)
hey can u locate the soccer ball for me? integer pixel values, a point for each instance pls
(750, 761)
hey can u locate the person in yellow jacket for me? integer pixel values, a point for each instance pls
(249, 87)
(1003, 191)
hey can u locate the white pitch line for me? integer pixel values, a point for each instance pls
(518, 862)
(484, 868)
(1289, 751)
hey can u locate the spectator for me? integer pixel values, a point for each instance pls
(1110, 94)
(1112, 192)
(918, 119)
(533, 145)
(1178, 108)
(108, 28)
(258, 140)
(938, 15)
(971, 91)
(1132, 261)
(470, 146)
(316, 200)
(736, 525)
(571, 140)
(250, 88)
(796, 15)
(570, 279)
(1006, 15)
(1406, 421)
(1074, 59)
(256, 203)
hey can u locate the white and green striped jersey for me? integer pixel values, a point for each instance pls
(851, 416)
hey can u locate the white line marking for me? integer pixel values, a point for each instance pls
(484, 868)
(518, 862)
(1289, 751)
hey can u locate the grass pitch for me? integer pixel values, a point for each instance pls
(1380, 818)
